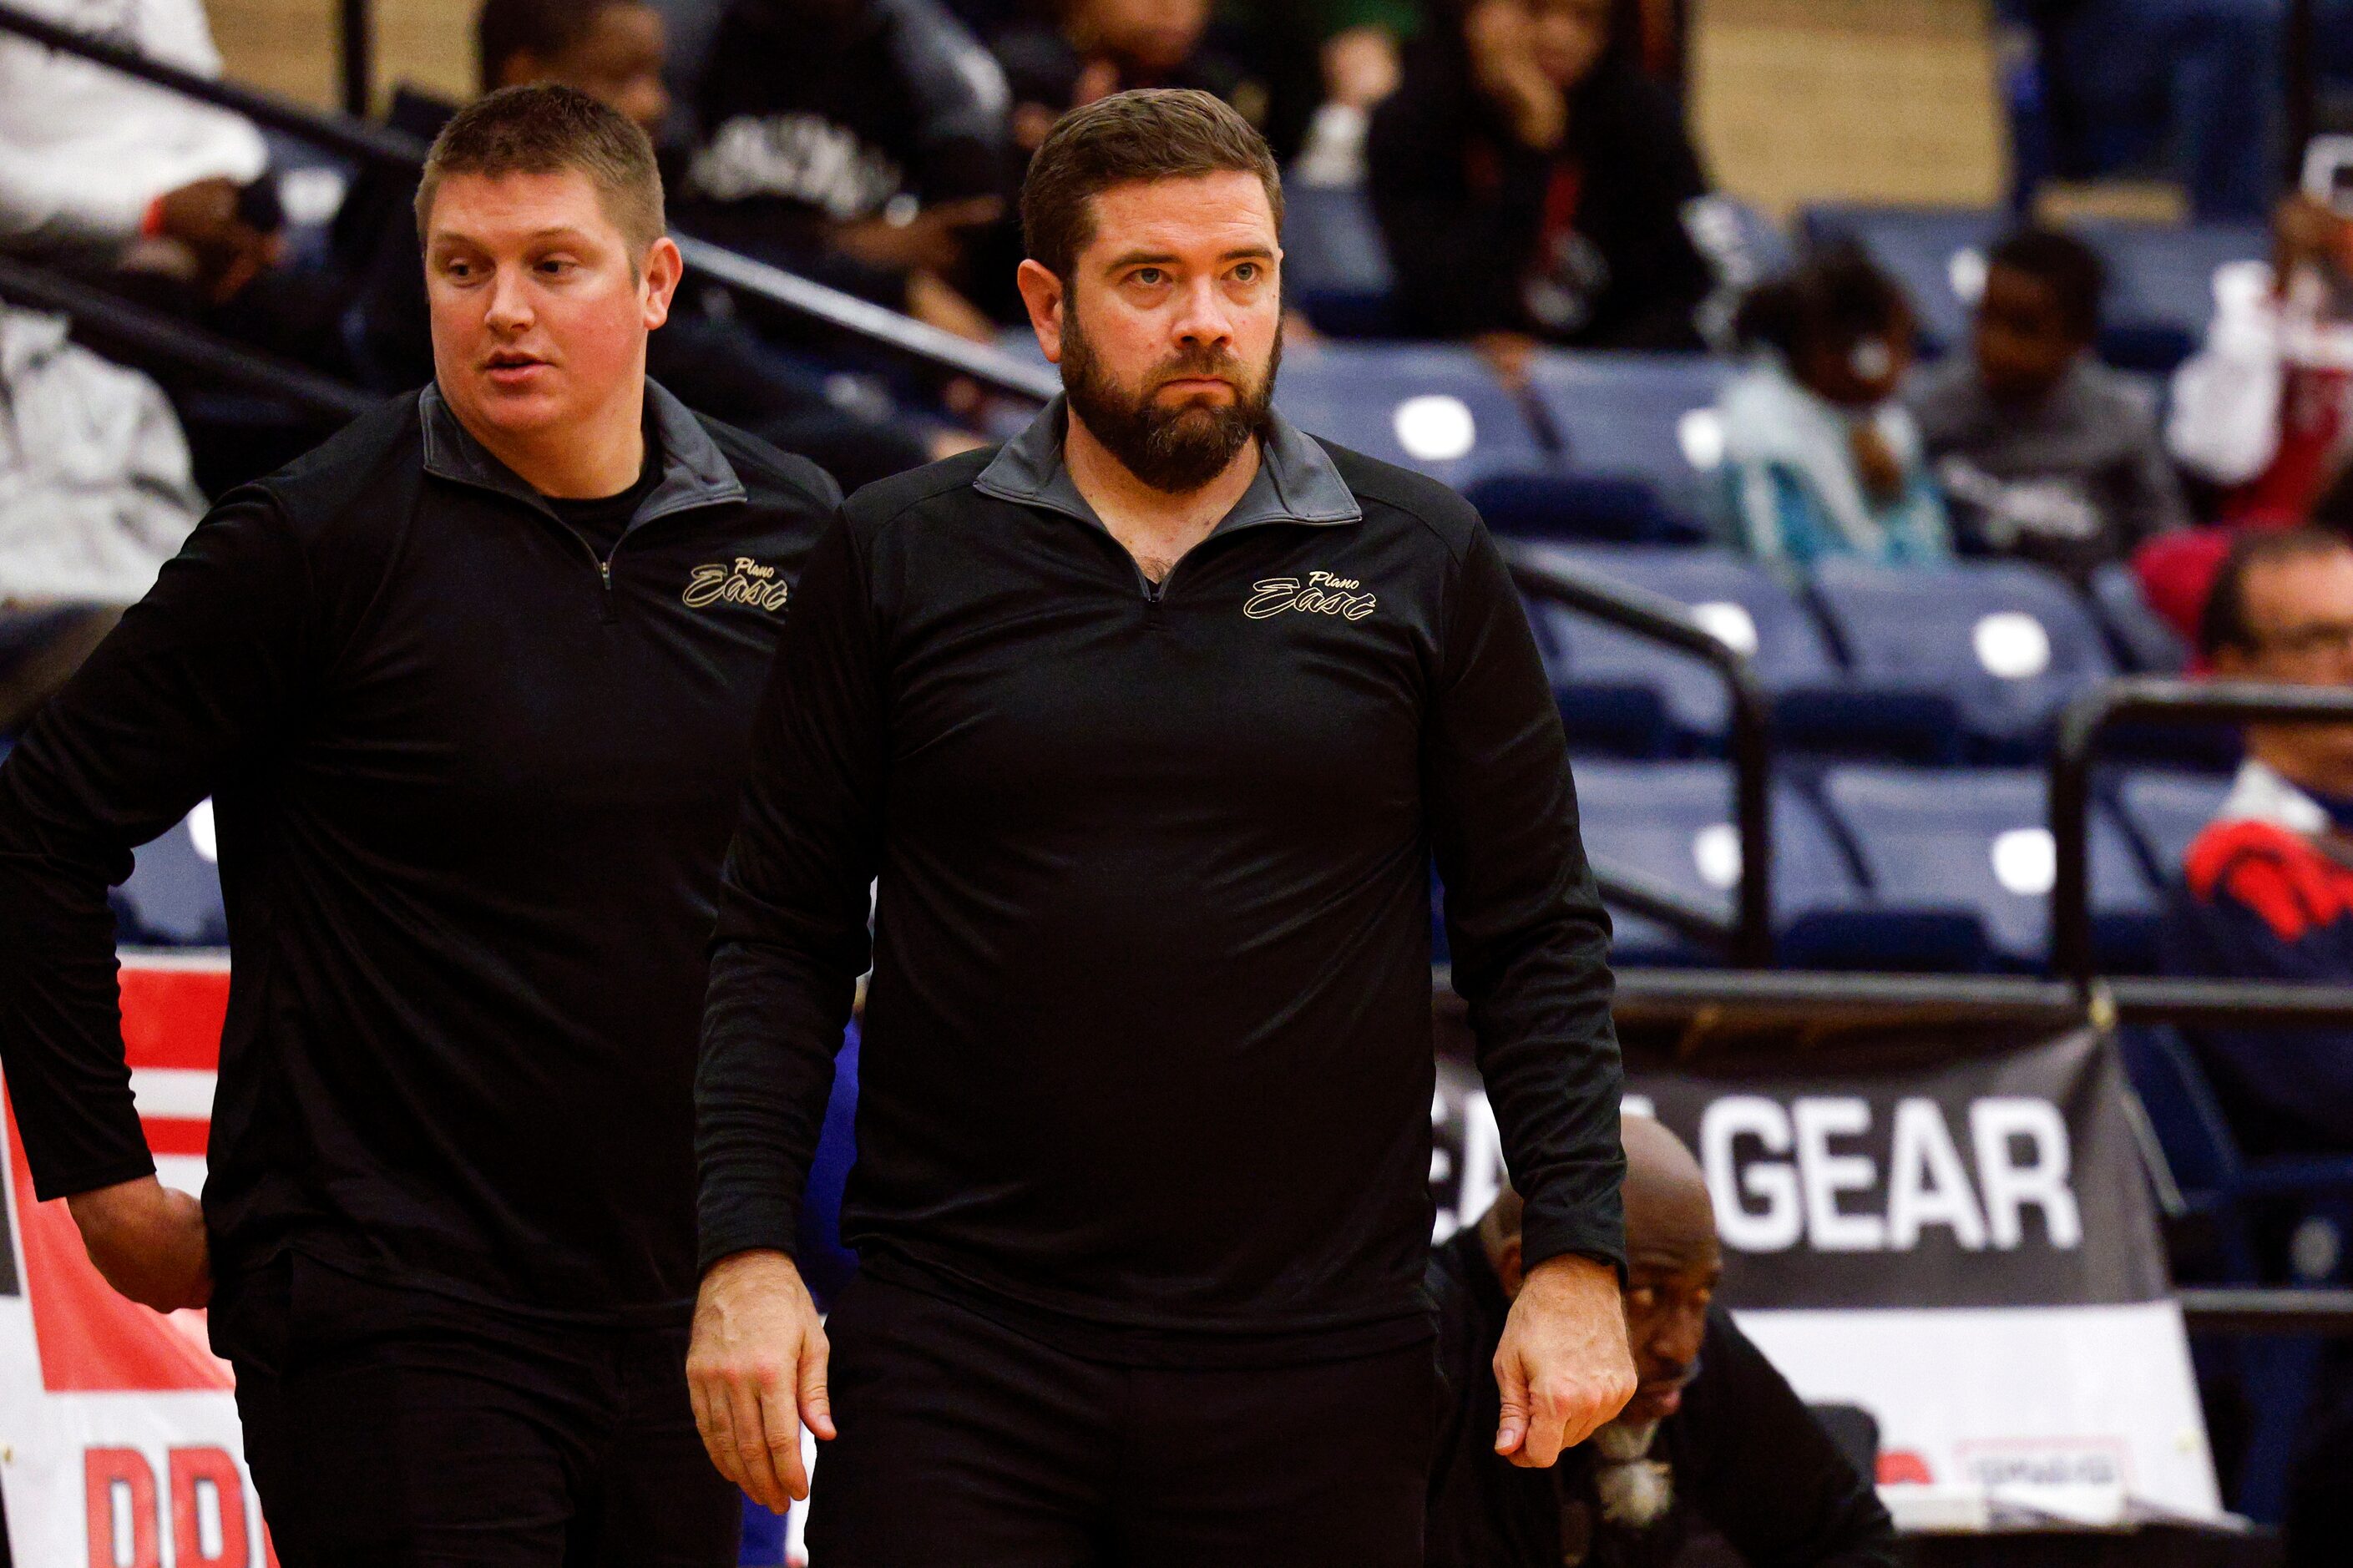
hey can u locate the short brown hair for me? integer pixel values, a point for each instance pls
(545, 129)
(1146, 133)
(2224, 621)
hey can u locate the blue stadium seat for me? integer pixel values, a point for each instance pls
(1335, 263)
(1426, 407)
(1976, 841)
(1648, 417)
(2164, 811)
(1747, 606)
(1604, 509)
(2010, 643)
(2164, 275)
(173, 898)
(1674, 821)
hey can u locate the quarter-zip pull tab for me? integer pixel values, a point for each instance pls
(605, 575)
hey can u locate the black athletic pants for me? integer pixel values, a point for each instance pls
(962, 1442)
(390, 1429)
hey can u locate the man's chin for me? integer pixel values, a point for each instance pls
(1651, 1405)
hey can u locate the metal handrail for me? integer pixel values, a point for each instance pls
(387, 148)
(1542, 575)
(135, 330)
(2164, 700)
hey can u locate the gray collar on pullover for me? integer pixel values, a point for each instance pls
(1295, 481)
(694, 471)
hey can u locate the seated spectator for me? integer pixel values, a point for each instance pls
(1103, 46)
(155, 196)
(2260, 408)
(1531, 184)
(1819, 457)
(1713, 1435)
(2267, 890)
(95, 496)
(2045, 453)
(862, 142)
(612, 50)
(95, 161)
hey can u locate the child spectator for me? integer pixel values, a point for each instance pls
(859, 142)
(1819, 457)
(1531, 184)
(2044, 454)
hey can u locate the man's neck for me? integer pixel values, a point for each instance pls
(1156, 527)
(600, 456)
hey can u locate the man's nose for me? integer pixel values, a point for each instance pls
(510, 307)
(1678, 1339)
(1205, 318)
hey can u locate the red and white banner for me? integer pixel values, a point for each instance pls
(119, 1442)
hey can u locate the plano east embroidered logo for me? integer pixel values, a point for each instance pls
(1322, 594)
(745, 583)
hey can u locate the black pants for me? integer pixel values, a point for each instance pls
(965, 1443)
(390, 1429)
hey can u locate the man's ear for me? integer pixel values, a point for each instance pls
(1508, 1270)
(660, 270)
(1044, 293)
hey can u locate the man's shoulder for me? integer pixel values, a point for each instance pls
(326, 484)
(1386, 489)
(877, 506)
(773, 477)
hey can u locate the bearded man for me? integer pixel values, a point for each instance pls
(1150, 725)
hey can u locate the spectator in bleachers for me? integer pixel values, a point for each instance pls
(2267, 891)
(95, 496)
(1821, 457)
(2045, 454)
(96, 162)
(1713, 1435)
(863, 142)
(1531, 184)
(159, 198)
(612, 50)
(2261, 407)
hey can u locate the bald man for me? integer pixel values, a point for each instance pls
(1712, 1430)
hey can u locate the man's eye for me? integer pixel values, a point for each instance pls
(1246, 273)
(1641, 1297)
(1150, 276)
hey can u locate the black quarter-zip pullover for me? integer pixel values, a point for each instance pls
(1147, 1054)
(474, 779)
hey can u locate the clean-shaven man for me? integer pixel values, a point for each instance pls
(472, 686)
(1150, 723)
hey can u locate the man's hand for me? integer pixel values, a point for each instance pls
(755, 1371)
(148, 1241)
(1503, 64)
(932, 240)
(1562, 1368)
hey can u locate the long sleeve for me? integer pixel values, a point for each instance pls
(2224, 421)
(1529, 936)
(2150, 502)
(1762, 1470)
(201, 670)
(792, 936)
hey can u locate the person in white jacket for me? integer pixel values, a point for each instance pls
(98, 166)
(2266, 408)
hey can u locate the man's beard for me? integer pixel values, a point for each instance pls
(1175, 450)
